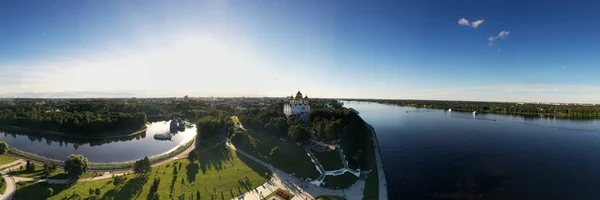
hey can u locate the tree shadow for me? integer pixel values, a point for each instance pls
(257, 167)
(30, 190)
(214, 159)
(192, 170)
(130, 190)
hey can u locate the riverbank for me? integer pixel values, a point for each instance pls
(380, 173)
(71, 135)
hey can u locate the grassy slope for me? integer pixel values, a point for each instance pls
(342, 181)
(217, 171)
(2, 185)
(39, 173)
(4, 159)
(295, 159)
(330, 160)
(371, 190)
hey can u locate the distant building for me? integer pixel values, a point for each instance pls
(297, 106)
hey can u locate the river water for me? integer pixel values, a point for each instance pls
(436, 154)
(101, 150)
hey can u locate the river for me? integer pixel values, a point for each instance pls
(101, 150)
(436, 154)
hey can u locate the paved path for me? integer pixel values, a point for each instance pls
(382, 182)
(10, 181)
(301, 190)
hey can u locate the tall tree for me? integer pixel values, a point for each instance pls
(76, 165)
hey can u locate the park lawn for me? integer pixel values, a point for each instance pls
(329, 159)
(2, 185)
(207, 142)
(4, 159)
(274, 194)
(38, 173)
(341, 181)
(293, 158)
(329, 197)
(371, 190)
(219, 170)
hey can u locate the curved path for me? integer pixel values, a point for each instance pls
(382, 182)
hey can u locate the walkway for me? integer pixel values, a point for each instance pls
(11, 187)
(382, 182)
(301, 190)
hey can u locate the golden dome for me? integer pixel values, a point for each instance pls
(298, 95)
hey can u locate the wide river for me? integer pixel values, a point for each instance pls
(435, 154)
(101, 150)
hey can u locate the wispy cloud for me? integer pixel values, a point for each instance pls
(475, 24)
(465, 22)
(501, 35)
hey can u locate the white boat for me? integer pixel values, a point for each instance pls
(163, 136)
(474, 112)
(449, 110)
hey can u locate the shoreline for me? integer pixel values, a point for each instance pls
(70, 135)
(382, 190)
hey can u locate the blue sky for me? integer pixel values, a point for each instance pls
(383, 49)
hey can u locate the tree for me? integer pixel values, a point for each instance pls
(155, 196)
(76, 165)
(197, 195)
(91, 191)
(3, 147)
(192, 156)
(49, 191)
(142, 166)
(29, 167)
(299, 133)
(207, 127)
(118, 180)
(98, 191)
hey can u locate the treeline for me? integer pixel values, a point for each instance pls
(567, 110)
(85, 122)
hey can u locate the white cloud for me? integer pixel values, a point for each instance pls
(463, 21)
(475, 24)
(501, 35)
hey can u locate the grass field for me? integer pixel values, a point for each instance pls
(371, 191)
(329, 197)
(340, 182)
(208, 142)
(39, 173)
(330, 160)
(2, 185)
(292, 159)
(4, 159)
(273, 194)
(219, 174)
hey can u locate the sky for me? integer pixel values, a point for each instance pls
(511, 50)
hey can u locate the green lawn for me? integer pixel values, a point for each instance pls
(208, 142)
(371, 191)
(273, 194)
(39, 173)
(329, 197)
(291, 159)
(2, 185)
(219, 174)
(4, 159)
(330, 160)
(340, 182)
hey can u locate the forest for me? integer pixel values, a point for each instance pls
(562, 110)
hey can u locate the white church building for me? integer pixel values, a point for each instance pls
(297, 106)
